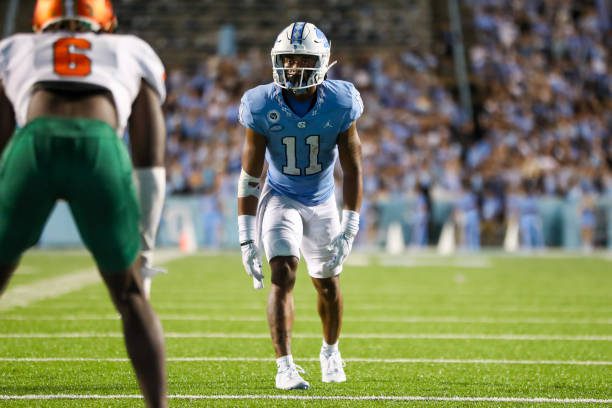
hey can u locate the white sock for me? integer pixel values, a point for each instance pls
(329, 349)
(284, 362)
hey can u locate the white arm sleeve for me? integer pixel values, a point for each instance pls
(151, 186)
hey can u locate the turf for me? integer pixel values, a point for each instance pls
(467, 326)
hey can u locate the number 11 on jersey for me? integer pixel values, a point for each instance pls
(290, 151)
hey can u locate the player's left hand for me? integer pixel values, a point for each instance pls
(340, 247)
(149, 271)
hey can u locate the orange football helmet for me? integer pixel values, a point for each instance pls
(98, 14)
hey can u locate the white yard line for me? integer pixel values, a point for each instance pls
(380, 319)
(475, 263)
(24, 295)
(418, 262)
(348, 360)
(179, 305)
(467, 305)
(384, 336)
(533, 400)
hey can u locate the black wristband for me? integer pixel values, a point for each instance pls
(247, 242)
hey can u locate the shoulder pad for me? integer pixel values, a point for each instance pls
(7, 45)
(151, 66)
(344, 93)
(258, 97)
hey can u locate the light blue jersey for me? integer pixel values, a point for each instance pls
(301, 151)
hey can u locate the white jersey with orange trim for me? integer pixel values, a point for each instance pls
(115, 62)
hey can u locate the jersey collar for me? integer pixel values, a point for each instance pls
(278, 96)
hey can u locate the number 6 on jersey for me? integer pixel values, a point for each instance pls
(67, 61)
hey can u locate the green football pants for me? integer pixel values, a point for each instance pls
(83, 162)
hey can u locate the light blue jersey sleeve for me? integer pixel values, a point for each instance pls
(346, 97)
(356, 107)
(251, 105)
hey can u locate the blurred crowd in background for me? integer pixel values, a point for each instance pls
(540, 85)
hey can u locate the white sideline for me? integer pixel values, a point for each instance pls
(23, 295)
(381, 319)
(312, 359)
(533, 400)
(385, 336)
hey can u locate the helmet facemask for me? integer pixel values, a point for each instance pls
(297, 71)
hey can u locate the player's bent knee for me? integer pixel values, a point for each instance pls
(328, 288)
(125, 288)
(13, 243)
(284, 264)
(283, 270)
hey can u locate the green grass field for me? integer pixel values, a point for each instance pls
(419, 330)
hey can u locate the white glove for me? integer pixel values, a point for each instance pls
(251, 257)
(342, 244)
(148, 271)
(151, 271)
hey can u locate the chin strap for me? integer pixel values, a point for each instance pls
(301, 91)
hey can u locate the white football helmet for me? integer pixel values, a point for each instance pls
(300, 39)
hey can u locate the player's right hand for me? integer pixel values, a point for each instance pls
(251, 259)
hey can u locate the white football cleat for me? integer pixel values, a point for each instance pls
(290, 378)
(332, 368)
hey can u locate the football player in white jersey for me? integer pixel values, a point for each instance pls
(67, 92)
(301, 123)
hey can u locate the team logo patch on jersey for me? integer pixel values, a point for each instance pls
(273, 116)
(301, 125)
(276, 128)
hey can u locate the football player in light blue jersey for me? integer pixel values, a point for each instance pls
(300, 124)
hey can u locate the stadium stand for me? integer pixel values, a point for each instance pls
(536, 155)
